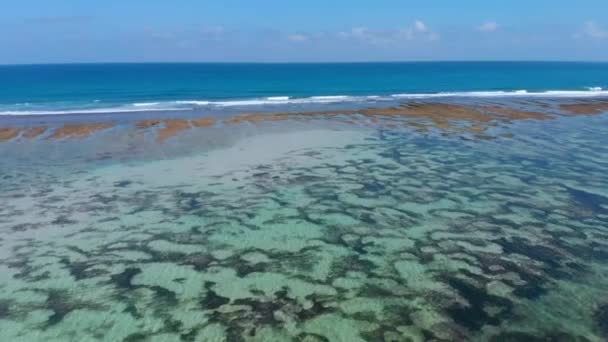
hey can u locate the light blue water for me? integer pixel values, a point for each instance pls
(316, 230)
(55, 89)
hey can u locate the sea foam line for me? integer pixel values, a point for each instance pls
(85, 111)
(592, 92)
(286, 100)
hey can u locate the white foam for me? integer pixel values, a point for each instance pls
(566, 94)
(331, 98)
(516, 93)
(253, 102)
(146, 104)
(286, 100)
(278, 98)
(193, 102)
(85, 111)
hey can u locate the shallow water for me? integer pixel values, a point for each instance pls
(309, 232)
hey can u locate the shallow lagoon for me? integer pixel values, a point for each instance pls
(321, 230)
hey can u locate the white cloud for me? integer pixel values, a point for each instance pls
(297, 38)
(364, 34)
(420, 26)
(418, 31)
(488, 26)
(592, 30)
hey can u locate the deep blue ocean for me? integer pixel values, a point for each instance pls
(100, 88)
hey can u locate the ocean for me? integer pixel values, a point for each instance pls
(304, 202)
(100, 88)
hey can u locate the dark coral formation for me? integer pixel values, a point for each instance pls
(601, 319)
(394, 236)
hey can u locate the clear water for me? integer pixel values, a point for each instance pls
(308, 231)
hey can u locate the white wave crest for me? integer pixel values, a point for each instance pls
(85, 111)
(146, 104)
(286, 100)
(332, 98)
(596, 92)
(193, 102)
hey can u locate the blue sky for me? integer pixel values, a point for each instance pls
(43, 31)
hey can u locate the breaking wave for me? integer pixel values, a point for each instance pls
(182, 105)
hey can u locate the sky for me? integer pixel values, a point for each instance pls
(71, 31)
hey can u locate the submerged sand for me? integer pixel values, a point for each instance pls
(312, 226)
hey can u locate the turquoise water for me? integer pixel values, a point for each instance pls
(309, 230)
(95, 88)
(347, 224)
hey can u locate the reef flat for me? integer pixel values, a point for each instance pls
(477, 118)
(420, 221)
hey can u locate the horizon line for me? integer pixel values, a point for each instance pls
(314, 62)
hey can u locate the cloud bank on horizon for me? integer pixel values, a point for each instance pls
(35, 31)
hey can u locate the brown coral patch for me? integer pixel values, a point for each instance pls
(514, 114)
(148, 123)
(438, 113)
(441, 115)
(76, 131)
(172, 127)
(34, 132)
(203, 122)
(585, 108)
(8, 133)
(257, 118)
